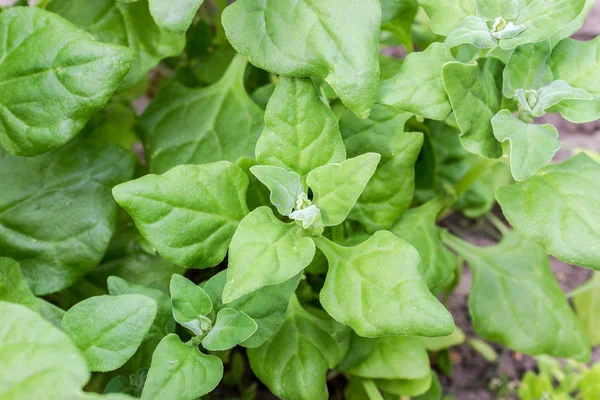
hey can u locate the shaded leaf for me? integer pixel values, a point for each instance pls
(13, 285)
(175, 16)
(285, 186)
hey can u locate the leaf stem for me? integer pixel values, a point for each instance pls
(221, 37)
(457, 244)
(498, 224)
(477, 170)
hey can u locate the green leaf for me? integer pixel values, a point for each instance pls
(284, 185)
(435, 391)
(587, 305)
(190, 304)
(266, 306)
(204, 125)
(37, 360)
(391, 188)
(446, 15)
(444, 342)
(50, 312)
(589, 386)
(73, 76)
(418, 87)
(190, 213)
(174, 16)
(489, 10)
(181, 371)
(475, 92)
(376, 288)
(405, 387)
(109, 329)
(125, 24)
(265, 251)
(577, 64)
(231, 328)
(474, 31)
(294, 362)
(337, 187)
(361, 389)
(551, 95)
(542, 19)
(559, 209)
(513, 286)
(527, 68)
(394, 9)
(395, 357)
(531, 146)
(574, 25)
(535, 387)
(301, 132)
(56, 212)
(418, 227)
(333, 40)
(13, 285)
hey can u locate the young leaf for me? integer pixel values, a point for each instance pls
(231, 328)
(513, 286)
(175, 15)
(73, 76)
(475, 92)
(266, 306)
(527, 68)
(376, 289)
(446, 15)
(577, 64)
(204, 125)
(109, 329)
(531, 146)
(337, 187)
(474, 31)
(56, 212)
(190, 302)
(333, 40)
(418, 227)
(553, 94)
(284, 185)
(301, 132)
(589, 388)
(190, 213)
(37, 360)
(405, 387)
(418, 87)
(13, 286)
(125, 24)
(181, 371)
(294, 362)
(559, 209)
(587, 305)
(265, 251)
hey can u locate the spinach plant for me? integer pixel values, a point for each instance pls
(273, 218)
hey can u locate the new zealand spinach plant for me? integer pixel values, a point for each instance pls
(271, 221)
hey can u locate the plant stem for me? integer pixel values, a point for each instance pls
(477, 170)
(498, 224)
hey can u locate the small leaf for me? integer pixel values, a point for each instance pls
(74, 77)
(587, 305)
(474, 31)
(181, 371)
(589, 386)
(13, 285)
(376, 289)
(266, 306)
(190, 302)
(489, 10)
(418, 86)
(559, 209)
(446, 15)
(232, 328)
(301, 132)
(265, 251)
(531, 146)
(293, 364)
(37, 360)
(337, 187)
(190, 213)
(556, 92)
(513, 286)
(475, 92)
(405, 387)
(109, 329)
(175, 15)
(284, 185)
(334, 40)
(527, 68)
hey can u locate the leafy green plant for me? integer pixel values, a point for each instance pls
(271, 221)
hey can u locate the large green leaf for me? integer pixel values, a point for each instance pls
(574, 25)
(232, 327)
(199, 126)
(266, 306)
(531, 146)
(109, 329)
(175, 15)
(418, 227)
(181, 371)
(294, 362)
(190, 213)
(13, 285)
(56, 211)
(54, 77)
(265, 251)
(301, 131)
(337, 187)
(527, 68)
(37, 360)
(516, 301)
(475, 92)
(446, 15)
(587, 304)
(559, 209)
(418, 86)
(126, 24)
(578, 64)
(377, 289)
(334, 40)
